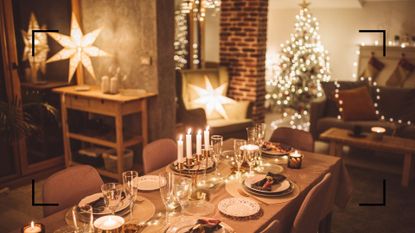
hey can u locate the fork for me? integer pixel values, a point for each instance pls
(240, 191)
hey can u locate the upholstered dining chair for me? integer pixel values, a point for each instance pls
(309, 215)
(296, 138)
(158, 154)
(67, 187)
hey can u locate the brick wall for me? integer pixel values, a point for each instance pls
(243, 35)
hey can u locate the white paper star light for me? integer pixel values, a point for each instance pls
(78, 48)
(213, 99)
(38, 61)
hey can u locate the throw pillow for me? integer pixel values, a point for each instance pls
(356, 105)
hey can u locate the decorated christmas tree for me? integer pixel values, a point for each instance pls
(302, 65)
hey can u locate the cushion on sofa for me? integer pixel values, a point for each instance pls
(397, 103)
(357, 105)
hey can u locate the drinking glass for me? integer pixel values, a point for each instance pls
(217, 143)
(260, 130)
(112, 195)
(166, 180)
(83, 219)
(128, 179)
(252, 135)
(182, 189)
(239, 155)
(251, 154)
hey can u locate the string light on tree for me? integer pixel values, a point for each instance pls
(304, 64)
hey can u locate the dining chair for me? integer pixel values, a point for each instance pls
(299, 139)
(273, 227)
(309, 215)
(68, 186)
(158, 154)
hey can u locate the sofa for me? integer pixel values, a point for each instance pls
(193, 115)
(395, 103)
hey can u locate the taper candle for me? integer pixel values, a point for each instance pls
(199, 142)
(180, 149)
(189, 144)
(206, 137)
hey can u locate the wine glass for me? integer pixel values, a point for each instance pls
(112, 195)
(83, 219)
(260, 130)
(217, 143)
(251, 153)
(251, 135)
(239, 155)
(166, 180)
(128, 179)
(182, 190)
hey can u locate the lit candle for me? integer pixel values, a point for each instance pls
(113, 85)
(378, 132)
(189, 144)
(180, 149)
(199, 142)
(109, 222)
(295, 160)
(33, 228)
(206, 137)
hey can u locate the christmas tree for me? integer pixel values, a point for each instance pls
(303, 64)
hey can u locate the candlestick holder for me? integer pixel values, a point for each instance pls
(189, 162)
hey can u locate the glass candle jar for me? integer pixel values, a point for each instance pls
(295, 160)
(377, 133)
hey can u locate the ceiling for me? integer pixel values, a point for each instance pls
(281, 4)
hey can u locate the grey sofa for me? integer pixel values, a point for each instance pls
(396, 103)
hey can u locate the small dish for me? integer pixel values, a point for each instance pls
(239, 207)
(148, 182)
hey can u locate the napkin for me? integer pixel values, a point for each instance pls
(269, 180)
(205, 225)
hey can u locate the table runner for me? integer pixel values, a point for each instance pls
(315, 166)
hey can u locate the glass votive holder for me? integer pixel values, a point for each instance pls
(295, 160)
(377, 133)
(33, 228)
(109, 224)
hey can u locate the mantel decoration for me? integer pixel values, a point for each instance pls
(78, 48)
(38, 61)
(212, 99)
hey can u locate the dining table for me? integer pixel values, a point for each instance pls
(314, 167)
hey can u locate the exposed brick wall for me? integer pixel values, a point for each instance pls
(243, 36)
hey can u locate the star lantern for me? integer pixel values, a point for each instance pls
(78, 48)
(38, 61)
(212, 99)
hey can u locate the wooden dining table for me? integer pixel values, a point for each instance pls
(314, 167)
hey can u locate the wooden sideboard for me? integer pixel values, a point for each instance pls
(115, 106)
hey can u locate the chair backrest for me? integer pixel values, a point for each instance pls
(273, 227)
(299, 139)
(158, 154)
(310, 212)
(67, 187)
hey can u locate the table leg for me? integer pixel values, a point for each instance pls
(406, 172)
(119, 143)
(65, 132)
(332, 148)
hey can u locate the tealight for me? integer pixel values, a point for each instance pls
(295, 160)
(109, 223)
(378, 132)
(33, 228)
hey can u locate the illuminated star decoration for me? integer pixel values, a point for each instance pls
(213, 99)
(38, 61)
(78, 48)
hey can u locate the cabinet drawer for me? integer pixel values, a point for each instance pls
(94, 105)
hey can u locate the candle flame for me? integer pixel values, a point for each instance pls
(32, 224)
(207, 128)
(180, 137)
(189, 130)
(199, 131)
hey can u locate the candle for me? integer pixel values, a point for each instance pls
(199, 142)
(189, 144)
(378, 132)
(33, 228)
(295, 160)
(206, 137)
(180, 149)
(109, 222)
(114, 85)
(105, 84)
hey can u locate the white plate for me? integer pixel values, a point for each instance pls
(148, 182)
(185, 224)
(88, 199)
(276, 188)
(238, 207)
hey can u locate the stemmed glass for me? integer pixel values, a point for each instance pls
(166, 180)
(260, 131)
(251, 135)
(239, 155)
(251, 154)
(83, 219)
(112, 195)
(217, 143)
(128, 180)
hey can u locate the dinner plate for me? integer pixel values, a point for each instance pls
(148, 182)
(186, 224)
(281, 194)
(91, 198)
(275, 189)
(238, 207)
(288, 149)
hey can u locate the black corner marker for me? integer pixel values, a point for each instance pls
(39, 204)
(33, 38)
(384, 37)
(383, 200)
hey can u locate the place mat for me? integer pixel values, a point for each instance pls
(233, 186)
(142, 212)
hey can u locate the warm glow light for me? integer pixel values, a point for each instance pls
(32, 224)
(78, 48)
(213, 99)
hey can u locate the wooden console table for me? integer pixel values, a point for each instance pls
(116, 106)
(339, 137)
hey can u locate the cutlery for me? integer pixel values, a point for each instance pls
(240, 191)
